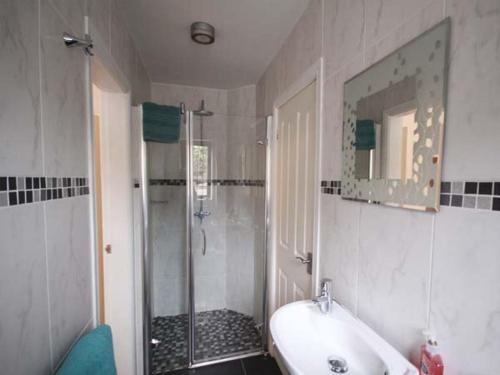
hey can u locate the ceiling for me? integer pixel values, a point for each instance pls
(248, 34)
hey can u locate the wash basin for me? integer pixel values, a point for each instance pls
(314, 343)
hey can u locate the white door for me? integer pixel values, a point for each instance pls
(296, 158)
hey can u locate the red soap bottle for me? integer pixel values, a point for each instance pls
(430, 360)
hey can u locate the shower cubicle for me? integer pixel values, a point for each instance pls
(204, 251)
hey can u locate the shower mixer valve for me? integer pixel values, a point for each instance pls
(202, 214)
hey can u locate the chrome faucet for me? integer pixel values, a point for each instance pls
(325, 299)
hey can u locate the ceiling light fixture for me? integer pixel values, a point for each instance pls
(202, 33)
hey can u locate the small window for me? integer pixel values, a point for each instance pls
(202, 171)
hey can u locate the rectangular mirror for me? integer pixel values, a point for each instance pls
(394, 115)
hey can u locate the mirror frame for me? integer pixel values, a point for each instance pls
(422, 192)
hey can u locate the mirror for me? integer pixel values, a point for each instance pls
(394, 115)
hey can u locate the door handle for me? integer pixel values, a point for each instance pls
(303, 260)
(307, 261)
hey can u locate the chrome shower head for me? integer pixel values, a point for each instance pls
(202, 111)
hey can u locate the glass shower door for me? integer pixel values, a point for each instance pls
(226, 202)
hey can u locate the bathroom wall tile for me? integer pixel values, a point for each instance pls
(474, 83)
(339, 245)
(120, 45)
(24, 330)
(242, 145)
(141, 86)
(301, 49)
(170, 94)
(303, 46)
(20, 128)
(394, 261)
(69, 270)
(99, 15)
(167, 160)
(465, 303)
(240, 267)
(424, 16)
(343, 33)
(63, 100)
(210, 293)
(171, 301)
(73, 12)
(383, 17)
(260, 104)
(168, 226)
(273, 79)
(241, 101)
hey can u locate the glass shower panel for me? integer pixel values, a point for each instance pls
(228, 226)
(167, 207)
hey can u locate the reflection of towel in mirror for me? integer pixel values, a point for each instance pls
(161, 123)
(365, 135)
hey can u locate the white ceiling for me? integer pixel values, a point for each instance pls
(248, 34)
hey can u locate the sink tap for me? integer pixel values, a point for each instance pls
(324, 300)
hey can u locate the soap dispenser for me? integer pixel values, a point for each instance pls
(430, 360)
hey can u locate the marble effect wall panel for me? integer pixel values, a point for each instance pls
(45, 287)
(456, 294)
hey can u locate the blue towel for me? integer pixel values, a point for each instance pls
(91, 355)
(161, 123)
(365, 135)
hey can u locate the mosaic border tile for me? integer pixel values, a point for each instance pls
(481, 195)
(213, 182)
(15, 191)
(331, 187)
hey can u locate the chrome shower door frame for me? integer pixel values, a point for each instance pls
(188, 119)
(189, 238)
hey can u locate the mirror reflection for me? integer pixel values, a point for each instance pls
(393, 125)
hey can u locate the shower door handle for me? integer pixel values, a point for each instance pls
(204, 248)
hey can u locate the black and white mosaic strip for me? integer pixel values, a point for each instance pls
(471, 194)
(25, 190)
(482, 195)
(214, 182)
(218, 333)
(331, 187)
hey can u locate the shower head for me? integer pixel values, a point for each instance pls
(202, 111)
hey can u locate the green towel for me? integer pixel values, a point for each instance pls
(161, 123)
(365, 135)
(91, 355)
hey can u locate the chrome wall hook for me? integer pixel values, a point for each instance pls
(72, 41)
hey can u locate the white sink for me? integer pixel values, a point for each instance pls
(306, 338)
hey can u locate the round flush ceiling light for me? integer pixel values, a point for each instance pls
(202, 32)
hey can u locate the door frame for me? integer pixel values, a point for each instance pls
(313, 74)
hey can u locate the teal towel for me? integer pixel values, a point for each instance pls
(91, 355)
(365, 135)
(161, 123)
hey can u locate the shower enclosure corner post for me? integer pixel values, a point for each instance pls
(188, 116)
(146, 265)
(267, 232)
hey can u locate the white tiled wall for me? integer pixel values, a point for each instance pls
(45, 264)
(401, 270)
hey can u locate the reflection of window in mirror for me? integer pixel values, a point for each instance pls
(399, 126)
(202, 170)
